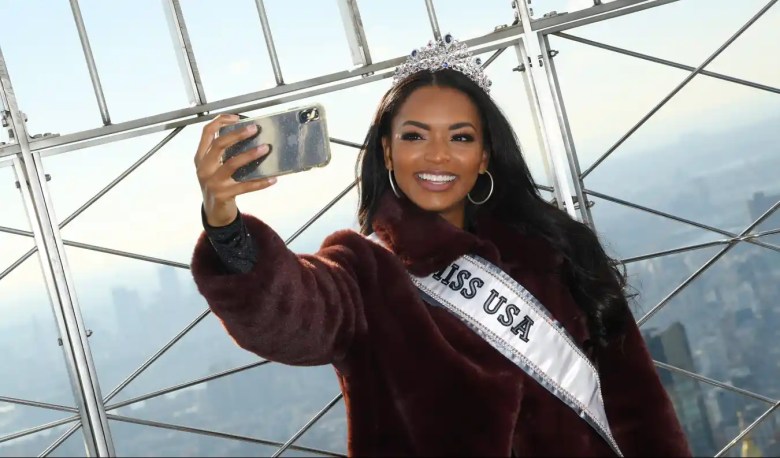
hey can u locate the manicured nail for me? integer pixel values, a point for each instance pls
(251, 128)
(262, 149)
(271, 180)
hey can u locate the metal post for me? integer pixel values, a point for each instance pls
(184, 53)
(93, 73)
(269, 42)
(434, 20)
(563, 122)
(547, 117)
(356, 36)
(84, 382)
(530, 94)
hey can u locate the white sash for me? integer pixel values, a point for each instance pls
(516, 324)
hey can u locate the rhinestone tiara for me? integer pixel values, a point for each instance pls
(442, 54)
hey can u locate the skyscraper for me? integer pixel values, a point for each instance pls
(671, 347)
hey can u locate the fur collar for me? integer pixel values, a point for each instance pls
(425, 242)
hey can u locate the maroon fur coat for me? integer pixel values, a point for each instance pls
(416, 381)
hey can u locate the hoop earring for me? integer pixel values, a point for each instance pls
(489, 194)
(392, 185)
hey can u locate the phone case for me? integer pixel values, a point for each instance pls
(298, 138)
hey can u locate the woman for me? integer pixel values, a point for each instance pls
(441, 176)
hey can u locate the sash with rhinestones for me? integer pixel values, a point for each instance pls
(516, 324)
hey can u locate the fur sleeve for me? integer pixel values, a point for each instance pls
(640, 413)
(297, 310)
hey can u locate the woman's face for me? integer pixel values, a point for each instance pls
(436, 150)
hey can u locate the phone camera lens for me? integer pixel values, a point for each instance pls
(309, 115)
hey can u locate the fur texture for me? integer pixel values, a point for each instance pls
(416, 380)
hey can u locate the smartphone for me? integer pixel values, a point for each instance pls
(298, 139)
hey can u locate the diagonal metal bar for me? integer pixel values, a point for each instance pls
(269, 42)
(339, 141)
(684, 249)
(126, 254)
(60, 440)
(597, 13)
(706, 266)
(182, 386)
(91, 201)
(308, 425)
(493, 58)
(698, 246)
(716, 383)
(205, 432)
(247, 102)
(93, 73)
(679, 87)
(18, 262)
(669, 63)
(434, 21)
(747, 430)
(42, 405)
(38, 429)
(185, 55)
(156, 356)
(122, 176)
(322, 211)
(653, 211)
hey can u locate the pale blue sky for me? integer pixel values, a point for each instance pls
(605, 94)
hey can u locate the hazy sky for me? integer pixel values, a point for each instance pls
(155, 211)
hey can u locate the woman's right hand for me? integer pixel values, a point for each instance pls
(216, 182)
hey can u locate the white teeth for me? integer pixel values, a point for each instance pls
(436, 178)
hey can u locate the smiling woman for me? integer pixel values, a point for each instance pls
(436, 163)
(469, 316)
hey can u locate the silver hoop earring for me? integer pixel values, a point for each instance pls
(489, 194)
(392, 185)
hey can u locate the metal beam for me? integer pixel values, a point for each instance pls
(750, 238)
(206, 432)
(186, 385)
(565, 129)
(679, 87)
(434, 20)
(156, 356)
(93, 73)
(747, 430)
(246, 102)
(546, 118)
(84, 382)
(308, 425)
(59, 440)
(184, 53)
(668, 63)
(713, 382)
(594, 14)
(42, 405)
(706, 265)
(38, 429)
(269, 42)
(356, 35)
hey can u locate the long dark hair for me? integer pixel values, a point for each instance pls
(595, 280)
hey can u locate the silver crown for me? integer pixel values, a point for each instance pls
(443, 54)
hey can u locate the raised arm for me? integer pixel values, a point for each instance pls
(292, 309)
(298, 310)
